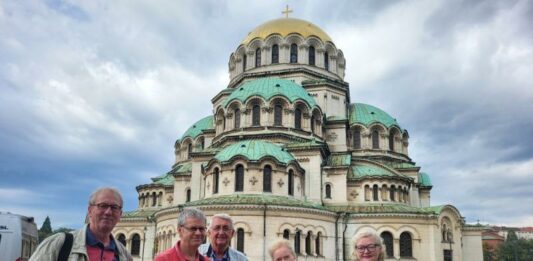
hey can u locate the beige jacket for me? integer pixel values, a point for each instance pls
(48, 250)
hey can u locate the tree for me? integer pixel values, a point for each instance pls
(46, 229)
(514, 249)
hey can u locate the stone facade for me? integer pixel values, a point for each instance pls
(287, 154)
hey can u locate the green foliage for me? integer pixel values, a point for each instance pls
(45, 230)
(63, 229)
(518, 249)
(511, 236)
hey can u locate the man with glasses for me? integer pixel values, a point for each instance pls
(94, 241)
(191, 229)
(220, 233)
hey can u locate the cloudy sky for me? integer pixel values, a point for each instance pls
(95, 93)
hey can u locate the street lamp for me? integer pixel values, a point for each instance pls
(144, 241)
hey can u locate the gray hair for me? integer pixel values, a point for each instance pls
(115, 191)
(223, 216)
(279, 244)
(372, 235)
(190, 213)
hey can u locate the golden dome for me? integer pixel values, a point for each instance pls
(284, 27)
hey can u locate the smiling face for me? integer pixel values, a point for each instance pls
(367, 249)
(104, 212)
(192, 234)
(220, 233)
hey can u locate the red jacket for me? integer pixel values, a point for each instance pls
(174, 254)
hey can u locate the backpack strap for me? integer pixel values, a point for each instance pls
(66, 247)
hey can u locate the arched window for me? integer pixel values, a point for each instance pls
(216, 175)
(308, 243)
(257, 57)
(328, 191)
(393, 193)
(135, 245)
(278, 114)
(326, 61)
(387, 240)
(291, 182)
(294, 53)
(375, 139)
(188, 195)
(298, 118)
(237, 114)
(189, 150)
(406, 245)
(202, 143)
(375, 192)
(122, 239)
(267, 179)
(244, 62)
(356, 139)
(286, 234)
(240, 239)
(391, 141)
(311, 55)
(313, 124)
(154, 199)
(256, 115)
(239, 178)
(318, 251)
(275, 53)
(297, 242)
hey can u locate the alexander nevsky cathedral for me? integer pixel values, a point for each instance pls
(289, 154)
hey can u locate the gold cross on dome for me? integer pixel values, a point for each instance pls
(287, 11)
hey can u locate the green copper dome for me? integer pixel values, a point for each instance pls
(254, 150)
(424, 180)
(267, 88)
(367, 114)
(197, 128)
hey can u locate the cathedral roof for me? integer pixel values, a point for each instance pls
(256, 199)
(267, 88)
(284, 27)
(365, 168)
(166, 179)
(197, 128)
(367, 114)
(254, 150)
(368, 208)
(424, 179)
(181, 169)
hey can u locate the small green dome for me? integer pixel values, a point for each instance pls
(197, 128)
(424, 180)
(254, 150)
(367, 114)
(267, 88)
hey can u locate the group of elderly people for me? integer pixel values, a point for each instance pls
(95, 241)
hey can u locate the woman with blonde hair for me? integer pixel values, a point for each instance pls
(368, 246)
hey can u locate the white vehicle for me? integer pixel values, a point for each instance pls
(18, 237)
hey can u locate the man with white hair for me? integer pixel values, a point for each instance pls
(220, 233)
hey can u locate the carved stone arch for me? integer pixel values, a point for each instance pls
(273, 39)
(240, 52)
(294, 39)
(314, 41)
(415, 235)
(232, 61)
(243, 225)
(379, 127)
(279, 98)
(256, 43)
(331, 49)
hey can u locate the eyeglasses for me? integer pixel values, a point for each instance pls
(370, 248)
(194, 229)
(224, 229)
(105, 206)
